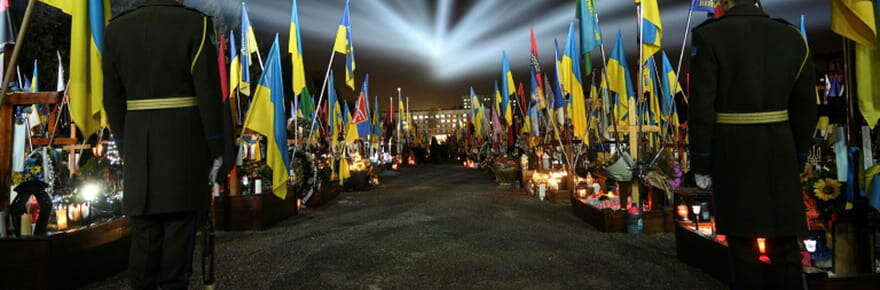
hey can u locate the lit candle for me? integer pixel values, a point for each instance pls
(258, 186)
(26, 225)
(683, 212)
(542, 191)
(61, 218)
(810, 244)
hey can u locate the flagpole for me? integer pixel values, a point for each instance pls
(391, 114)
(399, 125)
(320, 99)
(683, 45)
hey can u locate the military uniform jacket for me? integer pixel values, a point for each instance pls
(164, 50)
(746, 62)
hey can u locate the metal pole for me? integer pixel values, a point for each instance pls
(17, 50)
(683, 45)
(320, 99)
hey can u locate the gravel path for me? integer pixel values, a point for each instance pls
(444, 227)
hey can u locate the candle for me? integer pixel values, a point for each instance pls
(542, 191)
(810, 244)
(26, 225)
(258, 186)
(61, 218)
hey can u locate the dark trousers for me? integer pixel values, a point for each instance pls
(161, 251)
(783, 272)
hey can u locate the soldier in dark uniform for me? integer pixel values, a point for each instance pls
(163, 101)
(752, 118)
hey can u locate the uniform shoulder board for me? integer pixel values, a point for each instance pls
(707, 22)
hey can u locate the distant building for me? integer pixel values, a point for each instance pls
(487, 101)
(441, 122)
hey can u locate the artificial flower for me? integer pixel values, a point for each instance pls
(827, 189)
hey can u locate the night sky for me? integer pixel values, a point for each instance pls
(436, 49)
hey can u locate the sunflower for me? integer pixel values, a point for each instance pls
(827, 189)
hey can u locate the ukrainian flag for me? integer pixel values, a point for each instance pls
(591, 35)
(652, 28)
(267, 117)
(619, 80)
(508, 87)
(573, 84)
(497, 100)
(351, 131)
(234, 66)
(86, 49)
(248, 47)
(295, 49)
(35, 79)
(559, 101)
(669, 83)
(345, 45)
(332, 109)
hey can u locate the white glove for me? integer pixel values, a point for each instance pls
(215, 169)
(703, 181)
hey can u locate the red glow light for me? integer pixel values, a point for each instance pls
(683, 211)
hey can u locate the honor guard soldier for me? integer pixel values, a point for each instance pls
(163, 102)
(752, 118)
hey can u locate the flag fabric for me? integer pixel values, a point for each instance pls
(86, 49)
(235, 77)
(652, 106)
(559, 101)
(306, 104)
(652, 28)
(477, 113)
(61, 84)
(591, 35)
(248, 47)
(6, 33)
(855, 19)
(868, 80)
(345, 46)
(351, 130)
(35, 79)
(332, 108)
(573, 85)
(536, 72)
(361, 117)
(296, 51)
(267, 118)
(670, 86)
(376, 121)
(508, 87)
(496, 104)
(707, 6)
(222, 69)
(619, 80)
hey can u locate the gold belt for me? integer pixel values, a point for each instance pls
(162, 103)
(751, 118)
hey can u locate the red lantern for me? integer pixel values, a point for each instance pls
(683, 212)
(762, 250)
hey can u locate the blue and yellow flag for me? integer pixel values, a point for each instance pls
(651, 111)
(86, 49)
(344, 45)
(573, 85)
(332, 108)
(591, 35)
(267, 118)
(669, 82)
(508, 88)
(35, 79)
(619, 80)
(234, 66)
(652, 28)
(248, 47)
(296, 51)
(559, 103)
(704, 5)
